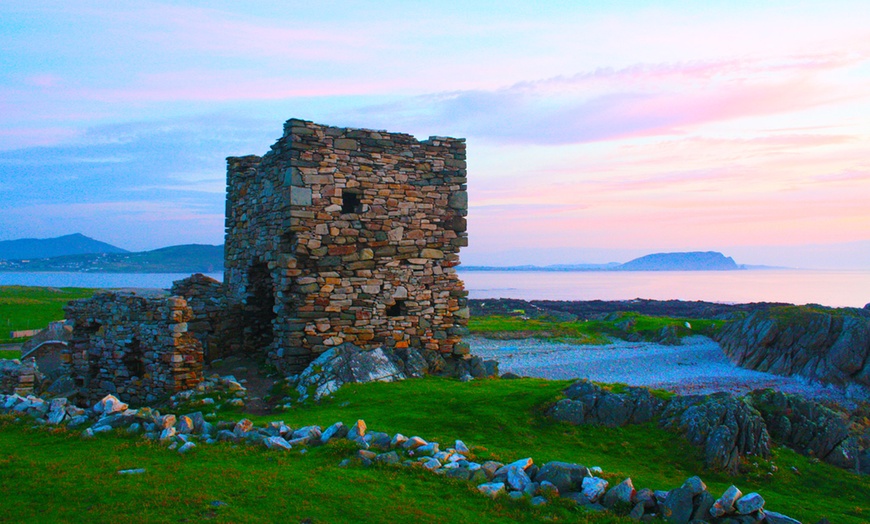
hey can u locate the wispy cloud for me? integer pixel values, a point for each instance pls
(643, 100)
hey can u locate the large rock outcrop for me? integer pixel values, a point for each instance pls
(727, 428)
(589, 403)
(829, 345)
(806, 427)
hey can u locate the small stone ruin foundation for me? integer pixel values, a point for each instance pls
(132, 346)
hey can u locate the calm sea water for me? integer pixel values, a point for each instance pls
(97, 280)
(830, 288)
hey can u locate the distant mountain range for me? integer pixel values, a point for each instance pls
(78, 253)
(691, 261)
(75, 244)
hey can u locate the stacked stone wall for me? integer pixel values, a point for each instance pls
(347, 235)
(135, 347)
(216, 331)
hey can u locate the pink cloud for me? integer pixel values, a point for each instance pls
(44, 80)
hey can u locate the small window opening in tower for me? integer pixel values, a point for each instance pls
(350, 202)
(399, 309)
(134, 359)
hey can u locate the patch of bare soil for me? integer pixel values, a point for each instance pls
(251, 374)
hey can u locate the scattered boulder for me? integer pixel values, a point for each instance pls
(345, 364)
(564, 476)
(519, 479)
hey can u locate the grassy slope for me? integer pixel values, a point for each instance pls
(24, 307)
(497, 418)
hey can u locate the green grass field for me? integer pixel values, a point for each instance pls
(23, 308)
(52, 475)
(498, 419)
(589, 332)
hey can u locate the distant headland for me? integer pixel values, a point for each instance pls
(689, 261)
(79, 253)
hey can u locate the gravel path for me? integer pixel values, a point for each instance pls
(697, 366)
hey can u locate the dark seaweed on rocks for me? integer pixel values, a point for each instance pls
(586, 309)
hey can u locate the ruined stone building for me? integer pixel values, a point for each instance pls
(335, 235)
(136, 347)
(347, 235)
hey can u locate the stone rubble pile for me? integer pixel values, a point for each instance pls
(218, 388)
(691, 502)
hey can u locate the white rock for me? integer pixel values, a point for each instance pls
(186, 447)
(594, 488)
(277, 443)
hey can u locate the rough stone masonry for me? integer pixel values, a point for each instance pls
(335, 236)
(347, 235)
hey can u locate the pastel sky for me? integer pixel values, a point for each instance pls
(597, 131)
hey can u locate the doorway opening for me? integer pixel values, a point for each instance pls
(260, 307)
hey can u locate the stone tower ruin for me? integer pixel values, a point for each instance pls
(346, 235)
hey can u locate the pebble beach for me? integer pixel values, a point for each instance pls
(697, 366)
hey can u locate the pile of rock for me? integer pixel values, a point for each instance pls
(215, 391)
(690, 502)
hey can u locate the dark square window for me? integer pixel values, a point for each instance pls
(350, 202)
(399, 309)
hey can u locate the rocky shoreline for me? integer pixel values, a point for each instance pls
(591, 309)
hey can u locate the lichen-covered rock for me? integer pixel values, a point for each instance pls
(621, 494)
(345, 364)
(677, 507)
(749, 503)
(491, 489)
(593, 488)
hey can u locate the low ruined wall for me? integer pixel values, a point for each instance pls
(21, 377)
(135, 347)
